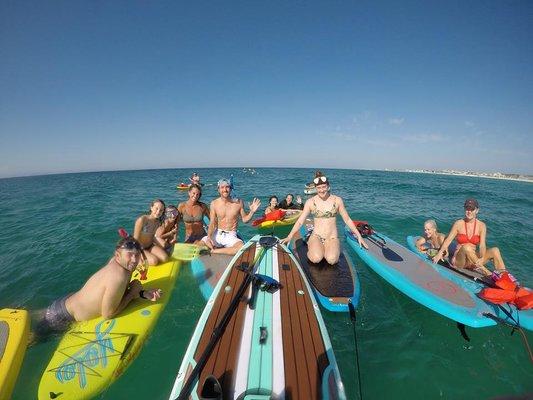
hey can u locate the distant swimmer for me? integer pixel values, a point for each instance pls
(192, 213)
(222, 236)
(106, 293)
(432, 240)
(195, 179)
(470, 233)
(144, 232)
(324, 243)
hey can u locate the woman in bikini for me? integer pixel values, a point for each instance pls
(432, 240)
(166, 234)
(144, 231)
(469, 233)
(324, 242)
(192, 214)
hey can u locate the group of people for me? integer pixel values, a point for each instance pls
(109, 290)
(470, 251)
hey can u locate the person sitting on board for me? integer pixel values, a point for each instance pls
(469, 233)
(222, 236)
(105, 294)
(195, 179)
(144, 231)
(166, 234)
(272, 204)
(287, 203)
(324, 243)
(432, 240)
(192, 213)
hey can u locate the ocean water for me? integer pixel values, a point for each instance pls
(57, 230)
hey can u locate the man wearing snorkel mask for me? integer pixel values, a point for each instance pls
(106, 293)
(222, 236)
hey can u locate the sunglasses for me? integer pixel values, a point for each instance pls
(320, 179)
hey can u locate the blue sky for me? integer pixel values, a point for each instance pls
(96, 85)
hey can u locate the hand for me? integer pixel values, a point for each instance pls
(134, 288)
(153, 294)
(362, 243)
(254, 205)
(437, 258)
(299, 199)
(285, 241)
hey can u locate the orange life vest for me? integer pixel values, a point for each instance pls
(271, 216)
(507, 291)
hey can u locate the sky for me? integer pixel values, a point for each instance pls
(118, 85)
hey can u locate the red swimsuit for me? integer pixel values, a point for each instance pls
(462, 238)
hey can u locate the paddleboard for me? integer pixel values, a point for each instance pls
(207, 269)
(275, 344)
(424, 282)
(93, 354)
(182, 186)
(474, 282)
(14, 331)
(335, 286)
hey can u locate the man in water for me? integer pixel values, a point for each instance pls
(287, 204)
(106, 293)
(222, 237)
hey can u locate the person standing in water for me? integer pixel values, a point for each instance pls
(324, 242)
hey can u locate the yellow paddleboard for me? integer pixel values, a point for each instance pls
(14, 331)
(93, 354)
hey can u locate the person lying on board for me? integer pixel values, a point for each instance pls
(222, 236)
(167, 234)
(192, 214)
(272, 204)
(144, 231)
(432, 240)
(287, 203)
(470, 233)
(105, 294)
(324, 243)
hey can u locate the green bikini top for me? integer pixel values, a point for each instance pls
(325, 214)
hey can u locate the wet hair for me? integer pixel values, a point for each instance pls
(432, 223)
(289, 194)
(318, 173)
(272, 197)
(196, 186)
(128, 243)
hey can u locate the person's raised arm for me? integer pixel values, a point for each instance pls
(348, 221)
(299, 222)
(254, 205)
(447, 242)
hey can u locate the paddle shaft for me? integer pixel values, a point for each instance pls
(219, 329)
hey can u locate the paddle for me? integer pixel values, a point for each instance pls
(265, 242)
(354, 320)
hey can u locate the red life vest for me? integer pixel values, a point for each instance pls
(507, 291)
(364, 228)
(271, 216)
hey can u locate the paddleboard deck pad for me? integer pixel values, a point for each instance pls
(93, 354)
(334, 285)
(275, 344)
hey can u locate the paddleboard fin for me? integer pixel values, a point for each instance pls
(462, 329)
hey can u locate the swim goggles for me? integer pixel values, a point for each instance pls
(320, 180)
(223, 182)
(129, 243)
(171, 213)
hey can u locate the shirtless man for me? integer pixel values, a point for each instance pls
(224, 215)
(106, 293)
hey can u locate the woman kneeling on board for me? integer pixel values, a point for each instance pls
(323, 243)
(469, 233)
(432, 240)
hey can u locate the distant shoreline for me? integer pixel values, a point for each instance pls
(496, 175)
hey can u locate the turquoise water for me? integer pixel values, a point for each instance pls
(57, 230)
